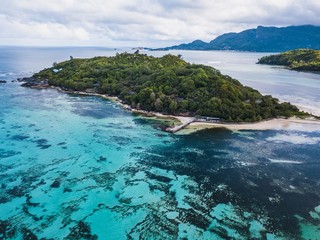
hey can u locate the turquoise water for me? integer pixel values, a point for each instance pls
(74, 167)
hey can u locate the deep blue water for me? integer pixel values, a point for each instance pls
(74, 167)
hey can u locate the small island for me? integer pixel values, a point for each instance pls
(300, 60)
(167, 85)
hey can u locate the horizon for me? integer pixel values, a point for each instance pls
(148, 24)
(137, 46)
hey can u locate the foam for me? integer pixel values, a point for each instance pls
(294, 138)
(284, 161)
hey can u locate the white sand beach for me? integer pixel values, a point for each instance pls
(276, 124)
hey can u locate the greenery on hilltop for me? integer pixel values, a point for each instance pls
(167, 84)
(300, 59)
(260, 39)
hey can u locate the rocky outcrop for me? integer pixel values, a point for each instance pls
(33, 83)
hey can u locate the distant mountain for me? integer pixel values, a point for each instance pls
(195, 45)
(261, 39)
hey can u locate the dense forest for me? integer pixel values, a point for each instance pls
(167, 84)
(300, 59)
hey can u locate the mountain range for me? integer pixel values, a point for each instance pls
(261, 39)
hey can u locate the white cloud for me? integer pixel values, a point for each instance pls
(144, 21)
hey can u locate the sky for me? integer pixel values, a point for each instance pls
(137, 23)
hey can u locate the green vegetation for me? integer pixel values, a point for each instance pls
(301, 59)
(167, 84)
(260, 39)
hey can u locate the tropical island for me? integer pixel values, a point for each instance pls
(167, 85)
(300, 59)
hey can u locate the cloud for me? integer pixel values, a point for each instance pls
(144, 21)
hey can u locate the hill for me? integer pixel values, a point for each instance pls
(261, 39)
(167, 84)
(300, 59)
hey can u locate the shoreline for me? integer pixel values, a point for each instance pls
(272, 124)
(189, 124)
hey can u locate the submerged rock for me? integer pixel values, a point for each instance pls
(55, 184)
(16, 191)
(6, 230)
(28, 235)
(82, 231)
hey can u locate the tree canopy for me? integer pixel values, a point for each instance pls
(168, 85)
(300, 59)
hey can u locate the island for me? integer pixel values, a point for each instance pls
(300, 59)
(166, 85)
(260, 39)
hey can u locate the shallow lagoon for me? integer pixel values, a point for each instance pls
(76, 167)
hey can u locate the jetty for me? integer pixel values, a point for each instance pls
(184, 122)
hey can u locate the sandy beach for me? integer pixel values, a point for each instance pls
(273, 124)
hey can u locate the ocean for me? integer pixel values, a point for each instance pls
(82, 167)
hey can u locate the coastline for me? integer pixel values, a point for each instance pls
(189, 125)
(272, 124)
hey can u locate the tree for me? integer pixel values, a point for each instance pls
(173, 106)
(167, 84)
(158, 104)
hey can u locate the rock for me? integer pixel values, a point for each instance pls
(28, 234)
(81, 231)
(26, 79)
(55, 184)
(16, 191)
(33, 83)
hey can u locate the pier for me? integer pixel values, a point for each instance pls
(181, 126)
